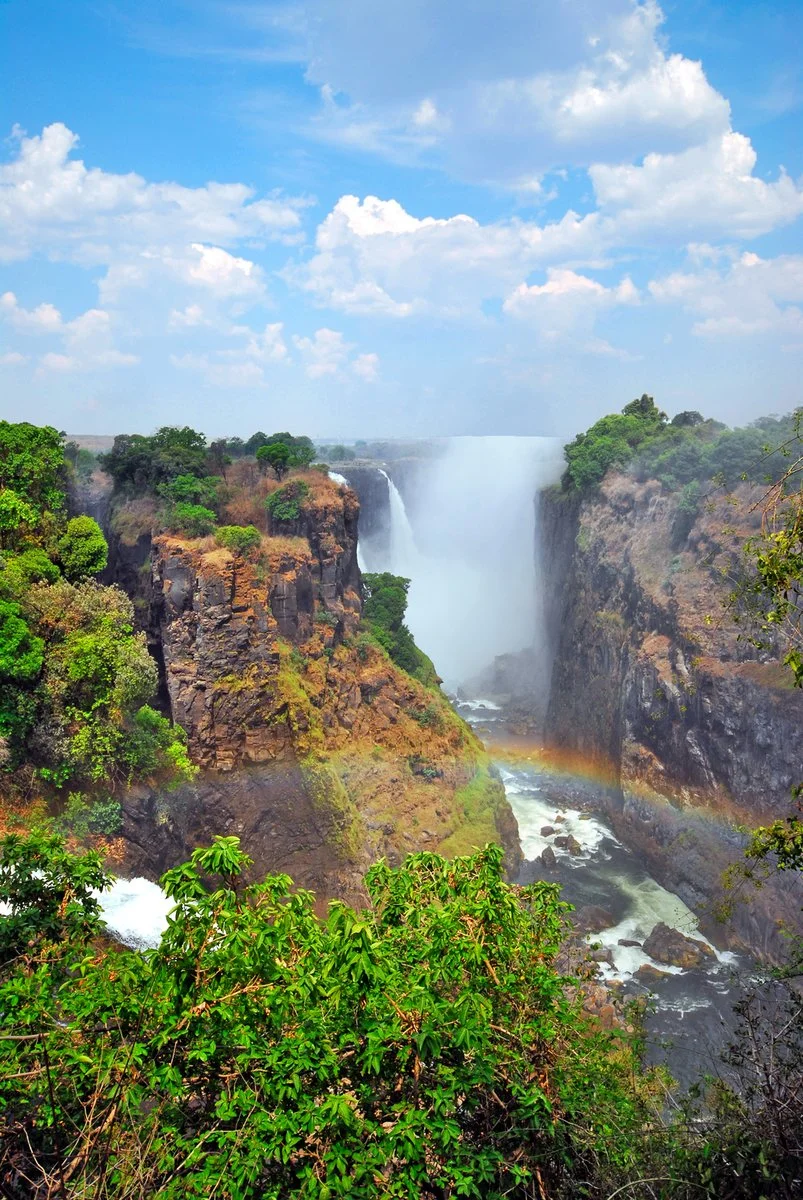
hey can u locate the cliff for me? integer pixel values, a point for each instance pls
(314, 748)
(695, 732)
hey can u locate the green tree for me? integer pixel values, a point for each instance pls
(17, 518)
(384, 608)
(277, 456)
(82, 549)
(32, 463)
(21, 653)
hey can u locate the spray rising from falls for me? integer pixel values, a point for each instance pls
(464, 534)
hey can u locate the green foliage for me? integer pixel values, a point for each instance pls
(384, 607)
(82, 549)
(19, 571)
(50, 895)
(141, 464)
(338, 453)
(21, 653)
(286, 503)
(610, 442)
(687, 449)
(17, 517)
(276, 456)
(240, 539)
(82, 818)
(82, 461)
(32, 464)
(190, 489)
(193, 520)
(424, 1046)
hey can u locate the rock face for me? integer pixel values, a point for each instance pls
(672, 947)
(314, 748)
(694, 731)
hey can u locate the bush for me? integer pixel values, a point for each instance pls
(193, 520)
(285, 504)
(240, 539)
(426, 1045)
(82, 549)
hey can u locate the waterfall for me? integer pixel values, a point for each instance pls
(465, 537)
(404, 557)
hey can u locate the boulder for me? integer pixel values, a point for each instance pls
(650, 974)
(629, 942)
(592, 918)
(667, 945)
(547, 831)
(573, 846)
(547, 856)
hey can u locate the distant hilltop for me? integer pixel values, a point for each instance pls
(96, 442)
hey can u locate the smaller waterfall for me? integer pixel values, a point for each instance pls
(404, 556)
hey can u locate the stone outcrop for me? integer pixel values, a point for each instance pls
(675, 949)
(314, 748)
(696, 732)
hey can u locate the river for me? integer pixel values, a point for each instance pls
(690, 1018)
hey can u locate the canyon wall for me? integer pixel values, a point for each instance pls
(696, 731)
(313, 747)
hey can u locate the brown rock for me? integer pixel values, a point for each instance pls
(547, 830)
(592, 918)
(667, 945)
(649, 974)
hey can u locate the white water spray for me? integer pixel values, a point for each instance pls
(465, 537)
(404, 557)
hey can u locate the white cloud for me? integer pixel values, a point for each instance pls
(88, 337)
(366, 366)
(511, 88)
(707, 189)
(53, 203)
(325, 352)
(191, 317)
(43, 319)
(748, 296)
(568, 305)
(12, 358)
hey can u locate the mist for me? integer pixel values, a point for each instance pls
(464, 534)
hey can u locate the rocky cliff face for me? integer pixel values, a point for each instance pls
(315, 749)
(694, 730)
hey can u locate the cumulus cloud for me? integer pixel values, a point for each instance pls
(88, 338)
(366, 367)
(568, 304)
(707, 189)
(51, 202)
(746, 297)
(506, 89)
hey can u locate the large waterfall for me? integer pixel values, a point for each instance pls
(465, 535)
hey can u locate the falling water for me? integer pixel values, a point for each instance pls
(465, 537)
(404, 557)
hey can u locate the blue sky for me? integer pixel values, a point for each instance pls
(354, 218)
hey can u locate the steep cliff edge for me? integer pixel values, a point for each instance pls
(314, 748)
(695, 732)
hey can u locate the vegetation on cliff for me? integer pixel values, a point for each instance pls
(384, 610)
(682, 452)
(76, 682)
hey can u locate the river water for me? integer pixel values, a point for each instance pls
(691, 1016)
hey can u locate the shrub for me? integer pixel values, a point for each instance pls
(191, 519)
(240, 539)
(285, 504)
(82, 549)
(426, 1045)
